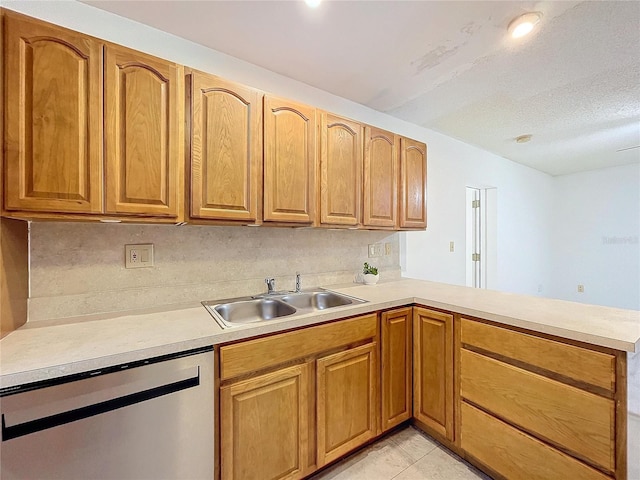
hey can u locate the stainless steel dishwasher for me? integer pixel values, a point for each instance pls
(148, 419)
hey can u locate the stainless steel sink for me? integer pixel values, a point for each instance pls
(318, 300)
(244, 310)
(248, 310)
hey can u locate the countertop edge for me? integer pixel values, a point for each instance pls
(206, 332)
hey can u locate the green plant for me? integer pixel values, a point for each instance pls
(369, 269)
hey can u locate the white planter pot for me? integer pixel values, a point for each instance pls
(370, 279)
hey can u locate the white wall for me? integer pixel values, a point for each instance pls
(523, 222)
(596, 235)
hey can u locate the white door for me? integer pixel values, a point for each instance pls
(474, 238)
(481, 233)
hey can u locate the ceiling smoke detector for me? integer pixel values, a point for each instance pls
(524, 138)
(523, 25)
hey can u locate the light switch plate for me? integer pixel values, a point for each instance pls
(376, 250)
(138, 256)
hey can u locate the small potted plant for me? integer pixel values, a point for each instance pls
(370, 274)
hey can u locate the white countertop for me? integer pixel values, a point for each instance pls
(48, 349)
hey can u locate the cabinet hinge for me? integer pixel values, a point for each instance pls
(475, 204)
(475, 257)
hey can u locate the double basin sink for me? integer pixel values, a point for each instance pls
(244, 310)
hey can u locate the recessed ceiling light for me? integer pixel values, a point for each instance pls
(312, 3)
(524, 138)
(523, 24)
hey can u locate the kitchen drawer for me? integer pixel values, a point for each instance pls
(574, 419)
(514, 454)
(577, 363)
(252, 355)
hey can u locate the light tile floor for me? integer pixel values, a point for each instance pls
(405, 455)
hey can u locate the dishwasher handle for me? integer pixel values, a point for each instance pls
(81, 413)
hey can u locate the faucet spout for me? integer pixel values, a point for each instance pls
(298, 289)
(271, 285)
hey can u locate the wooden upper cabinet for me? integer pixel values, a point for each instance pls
(340, 171)
(380, 178)
(289, 161)
(433, 370)
(413, 184)
(144, 104)
(54, 118)
(226, 149)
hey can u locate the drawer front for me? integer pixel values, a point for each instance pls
(569, 417)
(252, 355)
(577, 363)
(514, 454)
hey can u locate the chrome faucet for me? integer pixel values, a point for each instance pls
(271, 285)
(298, 289)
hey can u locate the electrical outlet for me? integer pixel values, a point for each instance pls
(451, 246)
(376, 250)
(138, 256)
(580, 288)
(387, 248)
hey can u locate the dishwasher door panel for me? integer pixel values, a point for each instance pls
(149, 422)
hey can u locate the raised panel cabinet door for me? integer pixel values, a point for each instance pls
(340, 171)
(53, 128)
(433, 370)
(264, 426)
(226, 149)
(396, 347)
(380, 178)
(347, 394)
(289, 161)
(413, 184)
(144, 105)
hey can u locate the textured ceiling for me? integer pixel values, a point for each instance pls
(574, 84)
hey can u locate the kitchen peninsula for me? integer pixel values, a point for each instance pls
(49, 349)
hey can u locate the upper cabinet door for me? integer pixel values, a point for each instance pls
(413, 184)
(289, 161)
(380, 178)
(340, 171)
(53, 126)
(144, 102)
(226, 149)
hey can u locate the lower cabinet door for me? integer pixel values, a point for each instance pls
(396, 367)
(347, 392)
(433, 370)
(264, 426)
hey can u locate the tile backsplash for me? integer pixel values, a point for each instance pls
(78, 268)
